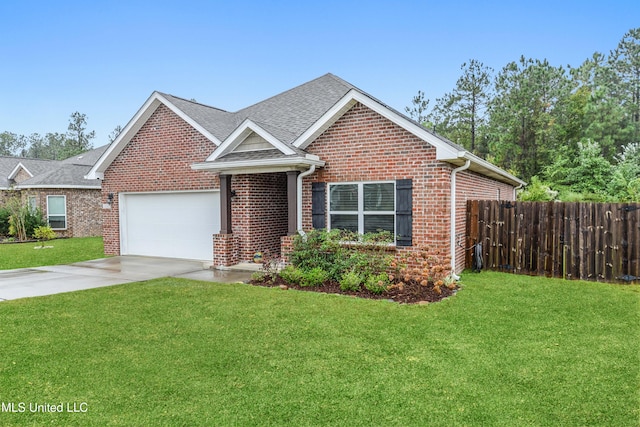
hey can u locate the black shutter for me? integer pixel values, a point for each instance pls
(318, 204)
(404, 207)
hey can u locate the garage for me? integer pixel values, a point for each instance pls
(173, 225)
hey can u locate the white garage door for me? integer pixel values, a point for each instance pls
(174, 225)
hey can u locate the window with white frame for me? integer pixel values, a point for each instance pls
(57, 212)
(363, 207)
(33, 203)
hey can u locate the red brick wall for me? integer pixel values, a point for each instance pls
(158, 158)
(364, 146)
(84, 216)
(472, 186)
(259, 213)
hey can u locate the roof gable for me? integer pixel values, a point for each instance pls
(135, 124)
(19, 168)
(240, 135)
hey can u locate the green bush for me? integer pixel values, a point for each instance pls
(291, 274)
(33, 220)
(338, 251)
(314, 277)
(4, 221)
(377, 283)
(44, 232)
(351, 281)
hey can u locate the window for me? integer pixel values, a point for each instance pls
(363, 207)
(33, 203)
(57, 212)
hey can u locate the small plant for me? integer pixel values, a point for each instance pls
(424, 267)
(378, 283)
(271, 265)
(314, 277)
(44, 232)
(257, 276)
(291, 274)
(351, 281)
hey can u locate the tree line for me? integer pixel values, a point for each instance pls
(53, 145)
(571, 133)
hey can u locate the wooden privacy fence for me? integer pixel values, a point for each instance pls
(589, 241)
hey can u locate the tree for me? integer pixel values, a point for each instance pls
(625, 62)
(11, 144)
(526, 115)
(603, 117)
(418, 111)
(461, 113)
(78, 139)
(591, 171)
(115, 133)
(51, 147)
(59, 146)
(625, 181)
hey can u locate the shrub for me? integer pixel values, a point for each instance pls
(22, 220)
(291, 275)
(426, 268)
(257, 276)
(378, 283)
(44, 232)
(351, 281)
(314, 277)
(4, 221)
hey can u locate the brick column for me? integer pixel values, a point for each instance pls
(225, 250)
(286, 246)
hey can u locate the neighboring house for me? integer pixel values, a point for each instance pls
(70, 204)
(192, 181)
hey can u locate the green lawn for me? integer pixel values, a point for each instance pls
(506, 351)
(63, 251)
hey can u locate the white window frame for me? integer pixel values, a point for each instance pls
(361, 213)
(66, 222)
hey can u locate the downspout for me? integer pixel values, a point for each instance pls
(515, 191)
(453, 216)
(311, 170)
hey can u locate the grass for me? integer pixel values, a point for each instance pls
(506, 351)
(64, 251)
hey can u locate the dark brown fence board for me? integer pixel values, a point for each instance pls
(591, 241)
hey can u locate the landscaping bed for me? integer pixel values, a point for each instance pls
(364, 266)
(412, 293)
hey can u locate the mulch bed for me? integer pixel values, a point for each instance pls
(410, 294)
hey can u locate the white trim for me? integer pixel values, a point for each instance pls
(66, 217)
(260, 166)
(15, 170)
(241, 133)
(134, 125)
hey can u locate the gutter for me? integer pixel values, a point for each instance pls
(453, 212)
(308, 172)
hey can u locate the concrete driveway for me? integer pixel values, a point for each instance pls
(38, 281)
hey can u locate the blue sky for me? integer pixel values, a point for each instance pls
(105, 58)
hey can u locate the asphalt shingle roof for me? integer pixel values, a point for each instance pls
(53, 173)
(286, 116)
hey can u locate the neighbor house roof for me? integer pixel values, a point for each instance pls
(68, 173)
(285, 125)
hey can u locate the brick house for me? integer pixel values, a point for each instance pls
(192, 181)
(69, 203)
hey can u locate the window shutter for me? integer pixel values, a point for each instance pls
(404, 206)
(318, 204)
